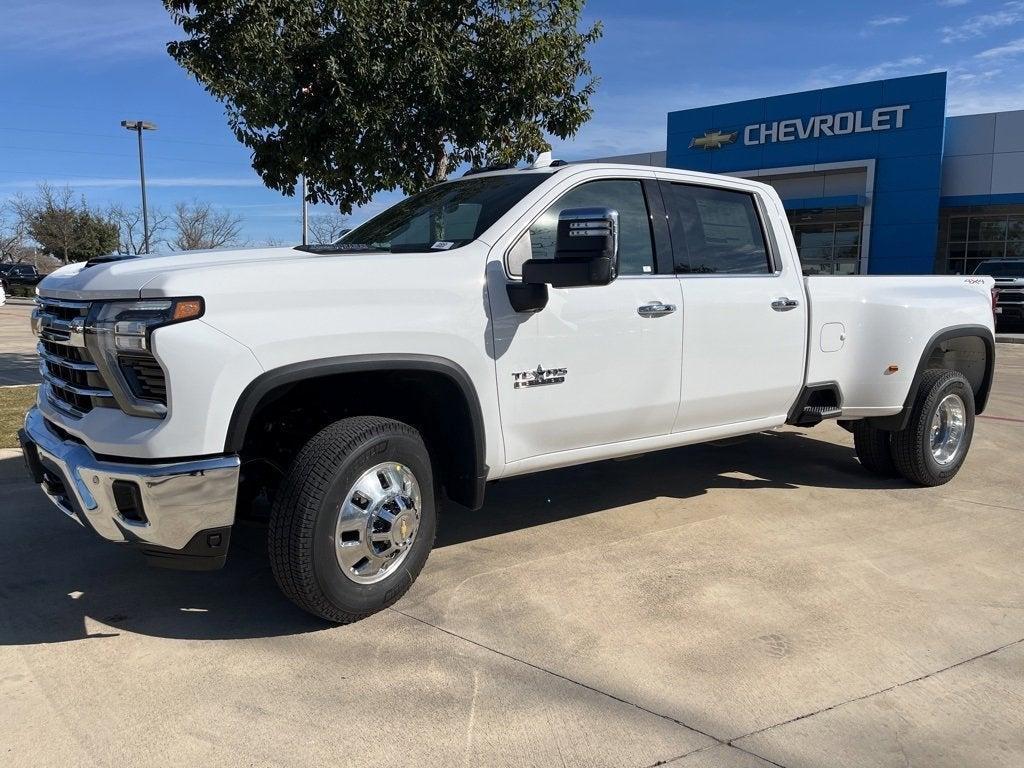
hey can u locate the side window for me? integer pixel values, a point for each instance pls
(716, 231)
(636, 254)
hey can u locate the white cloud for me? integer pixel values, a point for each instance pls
(887, 21)
(99, 29)
(1009, 50)
(974, 100)
(885, 69)
(977, 26)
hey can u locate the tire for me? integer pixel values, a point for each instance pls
(912, 447)
(306, 548)
(874, 449)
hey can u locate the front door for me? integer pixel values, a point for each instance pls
(744, 315)
(597, 365)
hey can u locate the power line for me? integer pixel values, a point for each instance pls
(68, 175)
(115, 154)
(119, 137)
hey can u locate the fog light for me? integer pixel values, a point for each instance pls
(128, 499)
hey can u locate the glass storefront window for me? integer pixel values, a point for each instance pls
(987, 228)
(974, 235)
(828, 240)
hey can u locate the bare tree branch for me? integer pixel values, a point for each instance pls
(129, 224)
(326, 228)
(199, 226)
(14, 231)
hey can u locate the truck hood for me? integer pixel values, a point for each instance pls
(125, 278)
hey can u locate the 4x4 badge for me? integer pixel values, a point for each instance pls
(538, 377)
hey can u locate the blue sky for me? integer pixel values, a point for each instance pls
(70, 71)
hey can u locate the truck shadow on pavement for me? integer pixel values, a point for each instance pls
(59, 583)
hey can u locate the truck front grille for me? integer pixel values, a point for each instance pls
(74, 384)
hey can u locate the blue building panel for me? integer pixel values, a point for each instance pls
(851, 147)
(792, 105)
(905, 207)
(738, 114)
(790, 153)
(910, 142)
(925, 114)
(852, 97)
(689, 121)
(896, 123)
(915, 89)
(907, 173)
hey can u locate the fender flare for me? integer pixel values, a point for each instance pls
(898, 421)
(262, 385)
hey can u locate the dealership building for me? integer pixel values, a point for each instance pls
(874, 177)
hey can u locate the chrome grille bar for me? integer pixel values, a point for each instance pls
(75, 389)
(66, 361)
(72, 382)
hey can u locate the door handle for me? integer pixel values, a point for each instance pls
(784, 305)
(655, 309)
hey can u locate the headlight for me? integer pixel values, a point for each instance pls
(128, 324)
(118, 338)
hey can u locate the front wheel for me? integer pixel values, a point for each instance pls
(933, 446)
(353, 523)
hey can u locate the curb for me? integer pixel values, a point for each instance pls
(1010, 338)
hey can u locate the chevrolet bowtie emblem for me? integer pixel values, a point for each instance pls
(713, 139)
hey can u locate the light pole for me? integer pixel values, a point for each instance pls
(305, 214)
(139, 126)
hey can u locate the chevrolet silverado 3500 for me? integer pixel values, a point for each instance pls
(503, 323)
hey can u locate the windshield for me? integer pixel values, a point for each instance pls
(1001, 268)
(447, 216)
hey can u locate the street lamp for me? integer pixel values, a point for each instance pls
(305, 214)
(139, 126)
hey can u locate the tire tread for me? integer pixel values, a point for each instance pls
(298, 501)
(908, 444)
(874, 449)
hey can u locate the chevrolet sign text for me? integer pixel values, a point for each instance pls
(881, 119)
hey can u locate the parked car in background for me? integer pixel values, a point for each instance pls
(19, 274)
(1009, 289)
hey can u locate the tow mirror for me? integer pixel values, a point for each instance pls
(586, 251)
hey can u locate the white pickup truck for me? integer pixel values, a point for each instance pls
(503, 323)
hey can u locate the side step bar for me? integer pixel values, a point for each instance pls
(815, 414)
(809, 410)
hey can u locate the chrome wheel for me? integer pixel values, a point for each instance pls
(948, 429)
(377, 522)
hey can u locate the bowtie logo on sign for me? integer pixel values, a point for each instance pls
(796, 129)
(713, 139)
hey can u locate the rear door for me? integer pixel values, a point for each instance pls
(744, 315)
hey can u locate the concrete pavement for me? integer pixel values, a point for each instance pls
(755, 603)
(18, 361)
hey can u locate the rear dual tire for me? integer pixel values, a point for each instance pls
(930, 450)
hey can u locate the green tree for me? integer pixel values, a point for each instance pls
(66, 228)
(366, 96)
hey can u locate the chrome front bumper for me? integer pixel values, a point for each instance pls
(179, 500)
